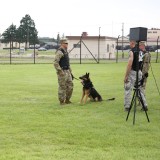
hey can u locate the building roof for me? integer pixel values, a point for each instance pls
(90, 37)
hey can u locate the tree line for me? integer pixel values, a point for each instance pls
(25, 33)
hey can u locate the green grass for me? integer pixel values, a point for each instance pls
(33, 126)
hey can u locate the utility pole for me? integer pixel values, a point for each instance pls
(99, 44)
(122, 39)
(10, 47)
(157, 50)
(58, 39)
(117, 50)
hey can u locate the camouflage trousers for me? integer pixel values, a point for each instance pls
(65, 86)
(144, 85)
(128, 87)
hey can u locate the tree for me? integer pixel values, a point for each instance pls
(19, 36)
(28, 31)
(9, 35)
(25, 33)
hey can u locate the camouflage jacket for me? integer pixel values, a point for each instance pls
(146, 63)
(58, 55)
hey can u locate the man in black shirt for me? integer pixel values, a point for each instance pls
(130, 76)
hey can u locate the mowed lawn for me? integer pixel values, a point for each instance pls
(33, 126)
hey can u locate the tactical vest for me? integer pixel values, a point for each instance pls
(135, 59)
(64, 61)
(134, 64)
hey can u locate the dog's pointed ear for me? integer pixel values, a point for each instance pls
(87, 75)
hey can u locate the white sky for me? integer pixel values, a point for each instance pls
(72, 17)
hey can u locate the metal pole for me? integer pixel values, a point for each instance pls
(10, 50)
(117, 50)
(99, 44)
(34, 50)
(122, 39)
(27, 37)
(80, 47)
(157, 50)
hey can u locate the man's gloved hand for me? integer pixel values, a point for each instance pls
(142, 81)
(72, 76)
(146, 74)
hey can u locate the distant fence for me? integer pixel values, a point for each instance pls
(47, 57)
(32, 56)
(43, 57)
(28, 58)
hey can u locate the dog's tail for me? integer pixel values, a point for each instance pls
(111, 99)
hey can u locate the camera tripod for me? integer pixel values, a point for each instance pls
(137, 92)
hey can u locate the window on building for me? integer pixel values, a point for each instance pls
(154, 31)
(76, 45)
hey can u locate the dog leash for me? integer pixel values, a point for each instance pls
(73, 77)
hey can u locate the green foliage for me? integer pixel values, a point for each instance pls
(10, 34)
(33, 126)
(28, 29)
(26, 32)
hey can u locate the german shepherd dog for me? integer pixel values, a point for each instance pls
(89, 90)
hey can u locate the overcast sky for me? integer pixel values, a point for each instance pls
(72, 17)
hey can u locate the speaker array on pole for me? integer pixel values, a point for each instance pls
(138, 34)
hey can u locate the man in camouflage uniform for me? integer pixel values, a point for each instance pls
(63, 70)
(130, 77)
(145, 65)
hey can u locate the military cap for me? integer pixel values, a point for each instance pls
(142, 43)
(63, 41)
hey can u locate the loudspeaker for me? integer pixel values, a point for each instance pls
(138, 34)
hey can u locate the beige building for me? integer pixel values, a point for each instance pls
(89, 47)
(15, 45)
(153, 35)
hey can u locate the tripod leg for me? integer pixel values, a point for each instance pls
(141, 100)
(135, 105)
(133, 99)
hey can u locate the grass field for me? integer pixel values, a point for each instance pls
(33, 126)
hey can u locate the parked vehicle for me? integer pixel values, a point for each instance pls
(21, 50)
(36, 46)
(150, 48)
(157, 50)
(42, 49)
